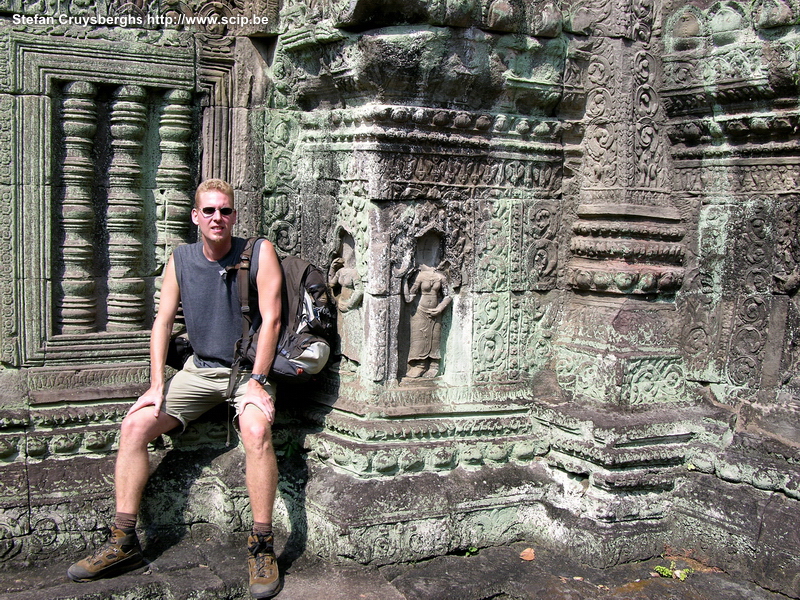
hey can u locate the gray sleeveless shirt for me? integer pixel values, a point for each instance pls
(210, 300)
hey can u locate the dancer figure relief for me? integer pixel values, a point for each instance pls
(348, 283)
(429, 297)
(348, 291)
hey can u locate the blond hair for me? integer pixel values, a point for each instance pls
(213, 185)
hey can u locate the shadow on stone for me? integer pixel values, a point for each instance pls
(300, 416)
(194, 487)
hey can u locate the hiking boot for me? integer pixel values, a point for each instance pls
(264, 578)
(119, 554)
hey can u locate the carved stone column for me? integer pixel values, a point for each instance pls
(126, 287)
(77, 308)
(619, 341)
(174, 175)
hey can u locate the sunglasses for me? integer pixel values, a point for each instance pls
(209, 211)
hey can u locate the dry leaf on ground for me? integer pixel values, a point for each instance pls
(527, 554)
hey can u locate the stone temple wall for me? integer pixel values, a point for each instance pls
(562, 237)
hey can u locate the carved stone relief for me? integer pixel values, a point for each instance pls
(718, 54)
(626, 219)
(426, 291)
(422, 270)
(348, 290)
(281, 213)
(512, 334)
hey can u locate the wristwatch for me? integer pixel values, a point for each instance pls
(262, 379)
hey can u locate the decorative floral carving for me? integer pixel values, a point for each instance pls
(748, 339)
(281, 213)
(649, 381)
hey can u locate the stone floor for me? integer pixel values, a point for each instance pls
(191, 571)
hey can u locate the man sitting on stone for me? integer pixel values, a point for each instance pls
(196, 276)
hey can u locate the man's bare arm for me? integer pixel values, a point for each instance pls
(159, 340)
(268, 284)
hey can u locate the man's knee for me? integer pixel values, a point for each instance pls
(141, 427)
(254, 427)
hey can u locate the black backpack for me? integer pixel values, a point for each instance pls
(308, 319)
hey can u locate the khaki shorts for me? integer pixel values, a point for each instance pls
(194, 391)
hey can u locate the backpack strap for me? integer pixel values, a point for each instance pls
(243, 284)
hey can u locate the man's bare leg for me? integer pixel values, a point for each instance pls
(261, 477)
(261, 466)
(122, 551)
(133, 462)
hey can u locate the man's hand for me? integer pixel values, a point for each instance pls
(258, 396)
(152, 397)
